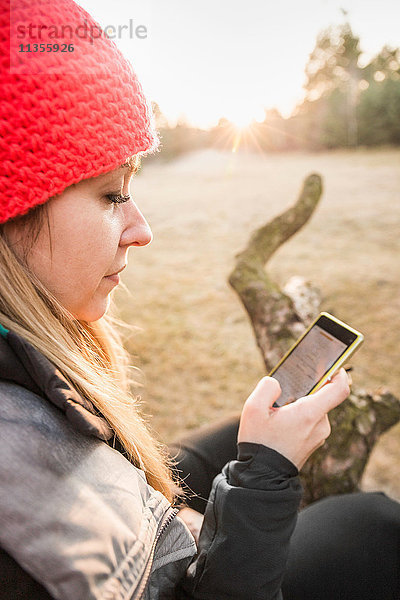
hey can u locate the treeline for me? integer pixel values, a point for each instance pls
(345, 105)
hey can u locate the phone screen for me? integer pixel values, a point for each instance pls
(313, 356)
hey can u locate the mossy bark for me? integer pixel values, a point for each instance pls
(278, 318)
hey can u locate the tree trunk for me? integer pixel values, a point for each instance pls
(278, 318)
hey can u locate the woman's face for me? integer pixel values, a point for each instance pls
(90, 238)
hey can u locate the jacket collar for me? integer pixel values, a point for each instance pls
(23, 364)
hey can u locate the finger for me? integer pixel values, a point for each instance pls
(347, 371)
(331, 394)
(331, 377)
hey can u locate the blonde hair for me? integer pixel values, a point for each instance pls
(90, 355)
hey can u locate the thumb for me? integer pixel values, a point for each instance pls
(256, 410)
(266, 392)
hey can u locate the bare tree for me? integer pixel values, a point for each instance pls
(278, 317)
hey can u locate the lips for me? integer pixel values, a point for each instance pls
(113, 278)
(116, 272)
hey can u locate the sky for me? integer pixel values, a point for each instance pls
(205, 59)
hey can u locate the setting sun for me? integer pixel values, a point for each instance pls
(243, 116)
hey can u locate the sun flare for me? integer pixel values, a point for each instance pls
(242, 117)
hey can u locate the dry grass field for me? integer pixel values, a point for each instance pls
(194, 344)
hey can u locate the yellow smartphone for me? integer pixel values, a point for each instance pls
(323, 348)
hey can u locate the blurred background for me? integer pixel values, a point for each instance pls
(315, 74)
(249, 99)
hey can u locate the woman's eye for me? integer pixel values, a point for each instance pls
(118, 198)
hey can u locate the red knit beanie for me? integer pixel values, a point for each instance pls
(66, 114)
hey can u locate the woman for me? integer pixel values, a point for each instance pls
(90, 504)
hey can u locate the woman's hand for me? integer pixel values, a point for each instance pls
(294, 430)
(193, 519)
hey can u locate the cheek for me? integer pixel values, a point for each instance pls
(89, 256)
(82, 254)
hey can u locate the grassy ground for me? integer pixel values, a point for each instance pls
(194, 344)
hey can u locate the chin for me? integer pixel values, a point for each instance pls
(95, 311)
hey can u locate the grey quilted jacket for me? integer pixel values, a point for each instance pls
(78, 521)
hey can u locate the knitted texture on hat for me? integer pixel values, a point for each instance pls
(64, 116)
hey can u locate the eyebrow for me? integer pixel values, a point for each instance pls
(131, 166)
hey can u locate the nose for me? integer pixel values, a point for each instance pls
(136, 231)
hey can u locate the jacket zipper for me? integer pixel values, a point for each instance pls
(168, 516)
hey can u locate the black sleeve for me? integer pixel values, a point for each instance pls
(249, 519)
